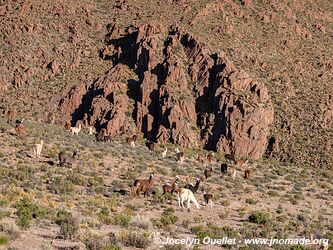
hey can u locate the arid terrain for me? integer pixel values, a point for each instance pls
(245, 79)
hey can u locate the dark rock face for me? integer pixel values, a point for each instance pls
(105, 102)
(184, 94)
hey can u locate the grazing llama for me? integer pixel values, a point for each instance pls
(66, 159)
(38, 149)
(76, 130)
(186, 195)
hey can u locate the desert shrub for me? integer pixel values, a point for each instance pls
(69, 226)
(62, 185)
(135, 239)
(93, 241)
(4, 214)
(10, 228)
(124, 218)
(141, 221)
(259, 217)
(26, 210)
(4, 240)
(251, 201)
(104, 216)
(213, 231)
(168, 218)
(95, 180)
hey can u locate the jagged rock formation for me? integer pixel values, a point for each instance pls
(184, 94)
(105, 102)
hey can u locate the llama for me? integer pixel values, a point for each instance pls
(100, 135)
(19, 128)
(76, 130)
(247, 174)
(66, 159)
(38, 149)
(201, 159)
(150, 145)
(170, 189)
(142, 186)
(224, 168)
(210, 157)
(234, 175)
(131, 140)
(195, 188)
(180, 156)
(10, 116)
(164, 152)
(241, 163)
(67, 125)
(208, 172)
(186, 195)
(51, 118)
(208, 198)
(92, 130)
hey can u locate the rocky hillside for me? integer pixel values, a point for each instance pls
(88, 206)
(250, 78)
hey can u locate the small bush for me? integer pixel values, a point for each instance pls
(134, 239)
(141, 221)
(4, 240)
(124, 218)
(104, 216)
(69, 226)
(26, 210)
(251, 201)
(94, 241)
(259, 217)
(168, 218)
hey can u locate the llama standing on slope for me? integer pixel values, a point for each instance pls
(186, 195)
(180, 156)
(76, 130)
(92, 130)
(164, 152)
(208, 198)
(19, 128)
(38, 149)
(234, 175)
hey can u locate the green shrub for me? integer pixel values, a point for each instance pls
(26, 210)
(104, 216)
(213, 231)
(69, 226)
(251, 201)
(168, 218)
(134, 239)
(124, 218)
(94, 241)
(259, 217)
(3, 240)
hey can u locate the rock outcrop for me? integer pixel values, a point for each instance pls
(185, 93)
(105, 102)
